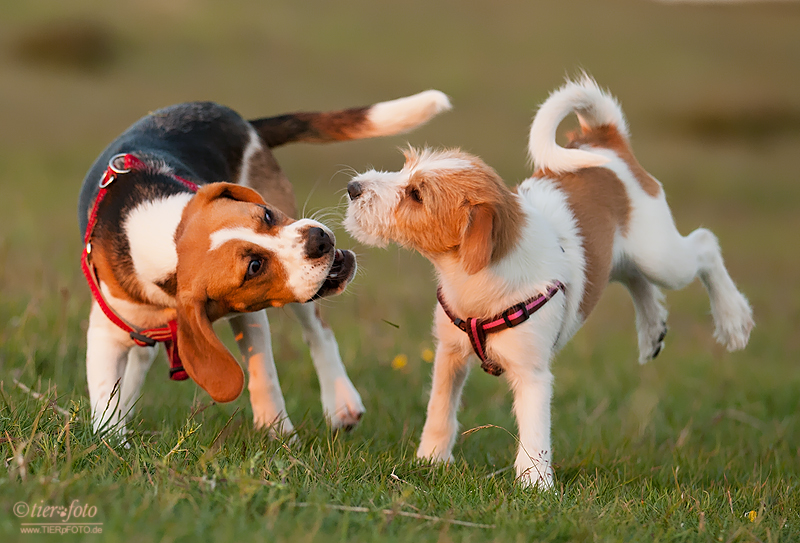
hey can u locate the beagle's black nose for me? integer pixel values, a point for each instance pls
(354, 189)
(318, 242)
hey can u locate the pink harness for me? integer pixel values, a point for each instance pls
(167, 334)
(477, 329)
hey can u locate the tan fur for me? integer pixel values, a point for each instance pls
(609, 137)
(600, 205)
(205, 293)
(105, 275)
(469, 211)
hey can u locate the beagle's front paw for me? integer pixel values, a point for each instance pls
(342, 404)
(278, 426)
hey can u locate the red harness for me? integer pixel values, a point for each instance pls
(167, 334)
(477, 329)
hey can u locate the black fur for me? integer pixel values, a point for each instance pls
(200, 141)
(204, 142)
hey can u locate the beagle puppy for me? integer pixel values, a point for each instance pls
(520, 270)
(186, 220)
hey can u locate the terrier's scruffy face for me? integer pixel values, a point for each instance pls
(442, 202)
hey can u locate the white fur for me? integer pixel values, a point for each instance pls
(253, 146)
(594, 108)
(150, 228)
(107, 349)
(651, 252)
(384, 192)
(403, 114)
(429, 161)
(340, 400)
(369, 218)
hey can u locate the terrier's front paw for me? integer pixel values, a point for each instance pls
(532, 478)
(535, 472)
(432, 454)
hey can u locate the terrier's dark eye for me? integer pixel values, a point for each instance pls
(415, 195)
(254, 267)
(269, 218)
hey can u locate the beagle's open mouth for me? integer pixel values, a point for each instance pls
(341, 272)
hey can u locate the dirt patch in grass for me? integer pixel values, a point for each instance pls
(80, 45)
(755, 123)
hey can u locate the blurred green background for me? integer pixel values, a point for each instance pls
(710, 92)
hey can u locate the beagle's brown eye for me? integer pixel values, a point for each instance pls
(415, 195)
(254, 267)
(269, 217)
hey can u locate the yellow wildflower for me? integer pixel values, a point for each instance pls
(399, 362)
(427, 355)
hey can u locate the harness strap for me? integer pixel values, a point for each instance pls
(167, 334)
(477, 329)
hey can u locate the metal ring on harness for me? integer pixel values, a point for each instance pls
(115, 170)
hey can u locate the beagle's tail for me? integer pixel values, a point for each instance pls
(594, 108)
(381, 119)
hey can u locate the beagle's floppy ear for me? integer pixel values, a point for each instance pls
(205, 358)
(477, 246)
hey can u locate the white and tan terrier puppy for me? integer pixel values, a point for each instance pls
(519, 271)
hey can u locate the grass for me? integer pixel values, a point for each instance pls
(682, 449)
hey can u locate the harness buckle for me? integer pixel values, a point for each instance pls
(107, 179)
(460, 324)
(136, 336)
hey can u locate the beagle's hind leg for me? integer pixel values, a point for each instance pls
(107, 349)
(139, 361)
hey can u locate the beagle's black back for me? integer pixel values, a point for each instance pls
(199, 141)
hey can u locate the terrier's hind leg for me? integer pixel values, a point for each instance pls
(673, 261)
(733, 316)
(651, 316)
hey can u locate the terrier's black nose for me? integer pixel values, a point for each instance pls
(354, 189)
(318, 242)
